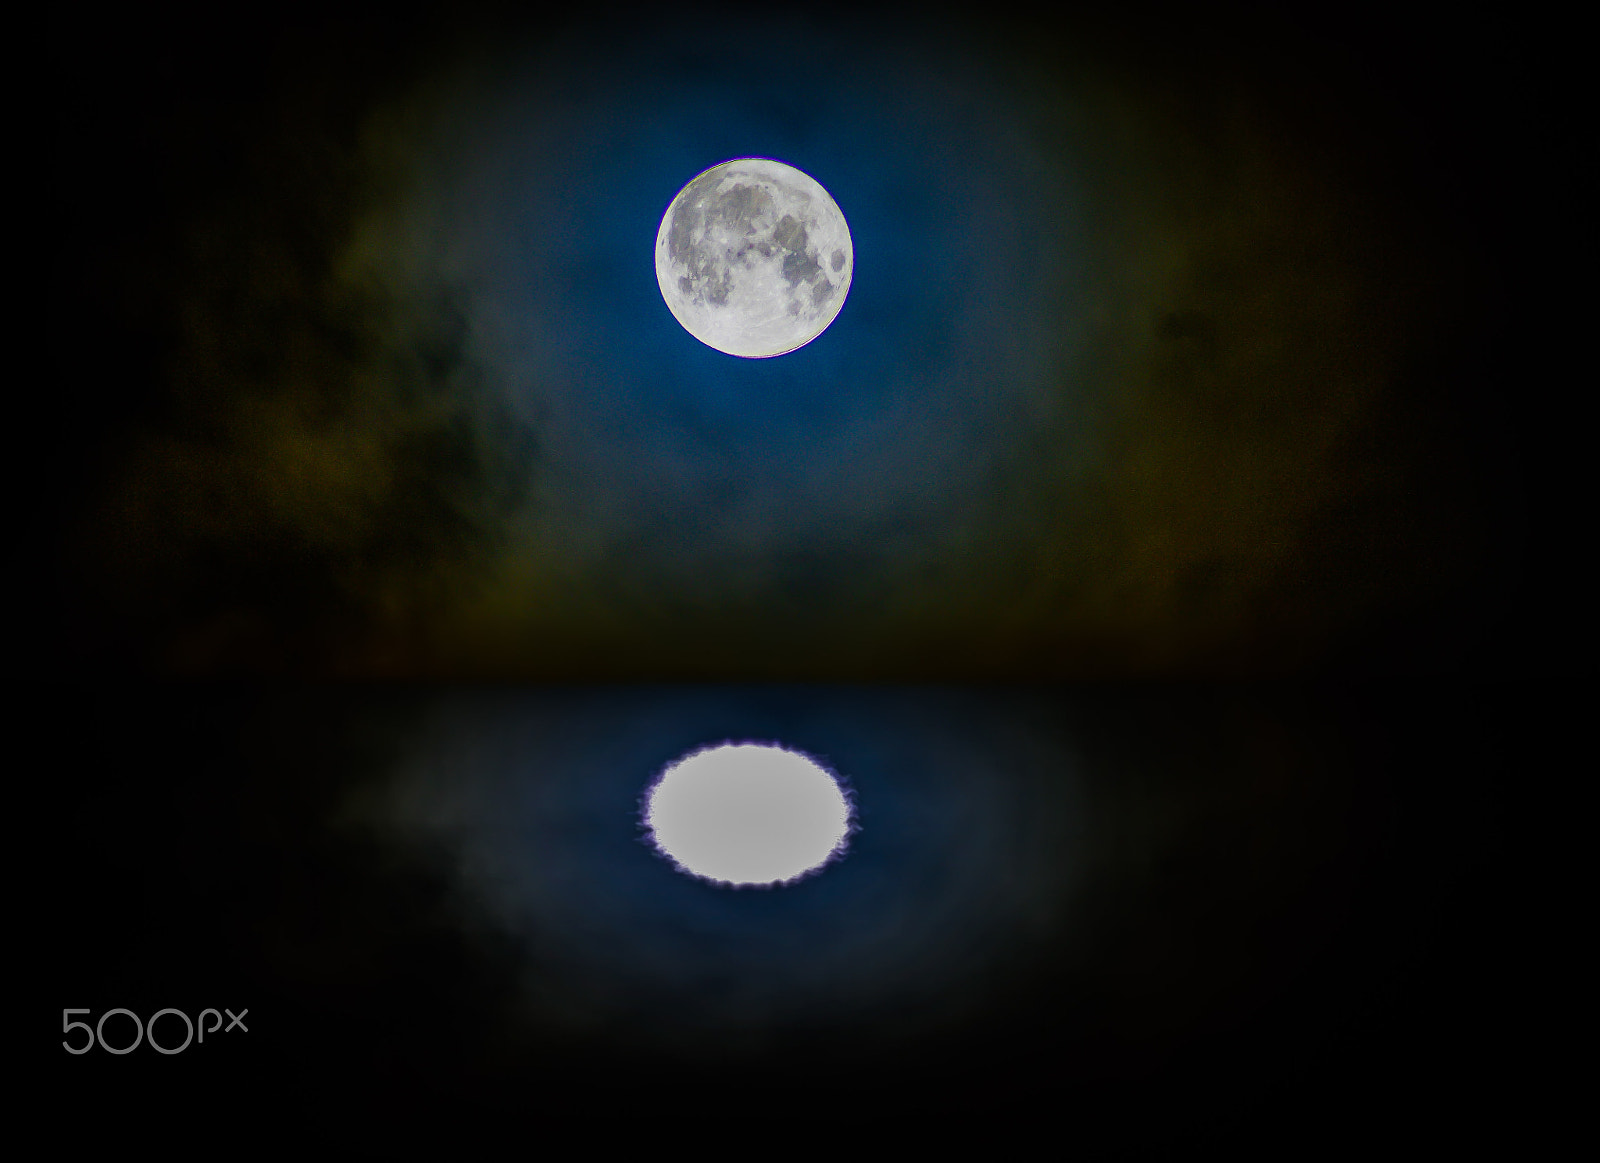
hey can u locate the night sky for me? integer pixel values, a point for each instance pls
(1153, 542)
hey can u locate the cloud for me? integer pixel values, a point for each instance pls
(1117, 353)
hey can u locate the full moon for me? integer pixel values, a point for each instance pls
(754, 258)
(747, 814)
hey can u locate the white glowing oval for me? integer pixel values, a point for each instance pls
(747, 813)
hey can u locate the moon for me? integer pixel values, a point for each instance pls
(747, 814)
(754, 258)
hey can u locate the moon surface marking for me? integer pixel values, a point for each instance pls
(754, 258)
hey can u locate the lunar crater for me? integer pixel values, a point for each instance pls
(740, 258)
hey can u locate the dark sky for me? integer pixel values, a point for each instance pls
(1152, 919)
(1184, 347)
(1153, 541)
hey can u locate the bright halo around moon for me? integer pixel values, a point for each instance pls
(754, 258)
(747, 814)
